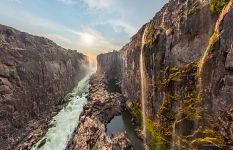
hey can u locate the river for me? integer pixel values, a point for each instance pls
(65, 122)
(123, 123)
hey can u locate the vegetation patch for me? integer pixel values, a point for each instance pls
(190, 107)
(152, 32)
(156, 136)
(216, 6)
(135, 111)
(208, 140)
(181, 103)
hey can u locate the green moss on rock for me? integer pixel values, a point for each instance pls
(190, 107)
(135, 111)
(216, 6)
(152, 33)
(157, 139)
(208, 140)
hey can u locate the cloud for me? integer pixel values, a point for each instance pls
(57, 37)
(86, 39)
(98, 4)
(120, 25)
(18, 1)
(128, 28)
(94, 4)
(98, 42)
(68, 2)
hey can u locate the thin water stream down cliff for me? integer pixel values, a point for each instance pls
(143, 84)
(65, 122)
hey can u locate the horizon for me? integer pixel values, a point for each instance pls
(91, 27)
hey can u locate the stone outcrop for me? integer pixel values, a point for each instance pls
(101, 108)
(188, 57)
(110, 64)
(35, 76)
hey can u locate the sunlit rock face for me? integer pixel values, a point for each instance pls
(186, 93)
(35, 75)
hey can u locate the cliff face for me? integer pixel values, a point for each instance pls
(35, 75)
(187, 51)
(110, 64)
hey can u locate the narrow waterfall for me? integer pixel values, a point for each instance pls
(143, 84)
(176, 133)
(214, 36)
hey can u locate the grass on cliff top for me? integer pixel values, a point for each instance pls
(216, 6)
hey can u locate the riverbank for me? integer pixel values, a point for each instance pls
(36, 130)
(101, 108)
(54, 133)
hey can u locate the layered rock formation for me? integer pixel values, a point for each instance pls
(101, 108)
(187, 51)
(35, 75)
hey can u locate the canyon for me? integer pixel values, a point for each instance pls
(174, 79)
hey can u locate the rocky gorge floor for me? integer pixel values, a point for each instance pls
(101, 108)
(91, 133)
(36, 130)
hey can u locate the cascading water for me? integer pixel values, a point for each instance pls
(176, 132)
(65, 122)
(143, 85)
(216, 33)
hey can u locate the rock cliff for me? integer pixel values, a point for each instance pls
(187, 51)
(35, 76)
(106, 63)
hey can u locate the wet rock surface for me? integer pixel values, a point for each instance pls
(39, 129)
(188, 68)
(35, 76)
(101, 108)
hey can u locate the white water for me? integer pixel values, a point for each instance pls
(65, 122)
(143, 85)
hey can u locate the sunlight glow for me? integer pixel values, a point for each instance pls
(87, 38)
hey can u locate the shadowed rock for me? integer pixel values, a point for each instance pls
(35, 76)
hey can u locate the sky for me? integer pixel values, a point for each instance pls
(88, 26)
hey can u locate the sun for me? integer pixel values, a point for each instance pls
(88, 38)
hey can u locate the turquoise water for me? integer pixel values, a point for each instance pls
(65, 122)
(123, 124)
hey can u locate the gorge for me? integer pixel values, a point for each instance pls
(170, 87)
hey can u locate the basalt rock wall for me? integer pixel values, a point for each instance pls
(35, 76)
(110, 64)
(187, 51)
